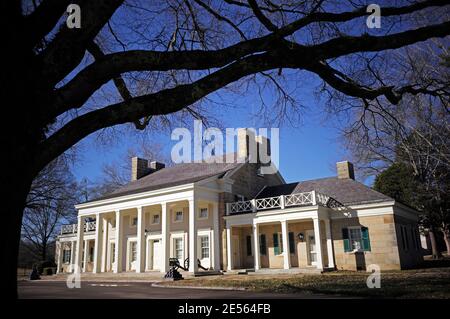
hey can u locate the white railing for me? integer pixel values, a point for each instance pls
(298, 199)
(239, 207)
(73, 228)
(268, 203)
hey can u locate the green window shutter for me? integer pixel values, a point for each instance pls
(365, 238)
(262, 244)
(276, 248)
(291, 243)
(346, 240)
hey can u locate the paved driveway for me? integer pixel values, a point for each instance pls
(136, 290)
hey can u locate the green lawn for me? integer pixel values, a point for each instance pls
(422, 283)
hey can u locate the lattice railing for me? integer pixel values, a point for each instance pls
(268, 203)
(299, 199)
(73, 228)
(241, 206)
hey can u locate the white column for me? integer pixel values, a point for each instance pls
(140, 240)
(229, 255)
(85, 255)
(80, 238)
(60, 252)
(72, 254)
(105, 247)
(256, 246)
(286, 255)
(216, 236)
(318, 241)
(165, 232)
(193, 266)
(98, 243)
(330, 252)
(118, 245)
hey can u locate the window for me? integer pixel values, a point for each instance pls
(204, 245)
(356, 239)
(203, 213)
(133, 251)
(262, 244)
(178, 244)
(66, 256)
(134, 221)
(277, 243)
(291, 243)
(249, 245)
(239, 198)
(155, 219)
(178, 216)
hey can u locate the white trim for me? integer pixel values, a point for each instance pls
(157, 192)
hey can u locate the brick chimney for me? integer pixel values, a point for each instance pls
(141, 167)
(156, 166)
(345, 170)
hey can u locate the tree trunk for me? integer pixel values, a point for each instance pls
(16, 194)
(436, 254)
(44, 251)
(446, 233)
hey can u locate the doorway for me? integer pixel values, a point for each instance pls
(311, 247)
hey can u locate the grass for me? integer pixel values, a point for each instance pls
(419, 283)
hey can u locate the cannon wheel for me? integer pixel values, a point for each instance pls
(186, 263)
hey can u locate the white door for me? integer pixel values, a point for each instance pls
(133, 255)
(204, 251)
(311, 246)
(156, 254)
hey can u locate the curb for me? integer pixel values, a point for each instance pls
(157, 285)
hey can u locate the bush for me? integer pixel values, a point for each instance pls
(45, 264)
(48, 271)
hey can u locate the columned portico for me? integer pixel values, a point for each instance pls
(98, 243)
(72, 254)
(330, 251)
(229, 255)
(79, 247)
(286, 255)
(256, 245)
(140, 240)
(165, 235)
(193, 267)
(118, 244)
(318, 242)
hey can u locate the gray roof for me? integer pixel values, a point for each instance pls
(180, 174)
(346, 191)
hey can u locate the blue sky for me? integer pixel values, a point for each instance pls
(307, 151)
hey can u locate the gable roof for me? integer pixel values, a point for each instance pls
(346, 191)
(179, 174)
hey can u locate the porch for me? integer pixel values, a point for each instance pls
(282, 232)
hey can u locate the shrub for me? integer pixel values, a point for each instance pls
(45, 264)
(48, 271)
